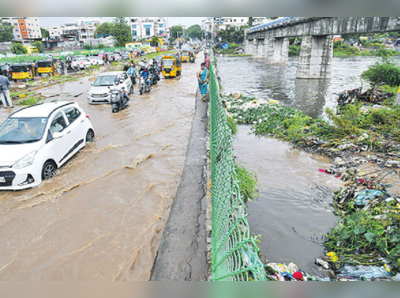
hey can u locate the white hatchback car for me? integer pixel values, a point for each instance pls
(36, 141)
(82, 63)
(94, 60)
(99, 92)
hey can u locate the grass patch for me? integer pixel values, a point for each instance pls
(30, 101)
(248, 183)
(233, 125)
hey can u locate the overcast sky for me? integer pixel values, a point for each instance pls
(172, 21)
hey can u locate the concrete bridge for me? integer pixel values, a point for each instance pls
(271, 41)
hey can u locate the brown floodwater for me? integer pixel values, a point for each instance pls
(101, 217)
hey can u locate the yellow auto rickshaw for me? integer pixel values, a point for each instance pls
(22, 71)
(171, 67)
(185, 56)
(46, 67)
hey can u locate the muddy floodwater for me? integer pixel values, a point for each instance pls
(292, 212)
(101, 217)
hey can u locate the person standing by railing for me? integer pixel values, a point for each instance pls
(202, 77)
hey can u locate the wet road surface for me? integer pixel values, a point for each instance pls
(102, 216)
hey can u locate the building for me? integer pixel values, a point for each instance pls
(220, 23)
(145, 28)
(55, 32)
(25, 28)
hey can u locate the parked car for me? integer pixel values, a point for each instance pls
(82, 63)
(125, 56)
(99, 92)
(117, 57)
(96, 60)
(38, 140)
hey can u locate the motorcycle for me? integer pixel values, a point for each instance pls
(71, 67)
(118, 102)
(144, 87)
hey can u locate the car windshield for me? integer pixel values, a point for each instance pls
(22, 130)
(104, 81)
(168, 62)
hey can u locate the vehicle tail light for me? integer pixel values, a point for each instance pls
(87, 116)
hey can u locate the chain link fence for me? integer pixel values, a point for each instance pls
(234, 253)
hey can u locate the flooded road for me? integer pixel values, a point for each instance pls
(292, 212)
(102, 216)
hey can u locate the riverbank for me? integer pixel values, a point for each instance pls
(366, 207)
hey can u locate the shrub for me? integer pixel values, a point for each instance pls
(248, 182)
(385, 71)
(294, 50)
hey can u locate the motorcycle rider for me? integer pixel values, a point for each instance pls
(122, 92)
(145, 75)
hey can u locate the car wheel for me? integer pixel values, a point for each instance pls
(90, 136)
(49, 170)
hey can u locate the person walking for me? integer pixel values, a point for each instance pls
(4, 92)
(202, 77)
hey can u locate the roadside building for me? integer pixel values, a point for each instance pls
(145, 28)
(25, 28)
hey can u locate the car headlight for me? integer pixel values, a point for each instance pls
(26, 161)
(90, 94)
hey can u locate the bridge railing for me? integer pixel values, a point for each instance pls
(233, 248)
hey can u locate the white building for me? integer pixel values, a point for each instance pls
(223, 23)
(55, 32)
(147, 27)
(25, 28)
(259, 20)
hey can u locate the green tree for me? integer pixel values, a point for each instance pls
(121, 31)
(45, 33)
(175, 31)
(6, 32)
(250, 22)
(195, 31)
(232, 34)
(154, 41)
(87, 47)
(103, 29)
(18, 48)
(39, 46)
(101, 46)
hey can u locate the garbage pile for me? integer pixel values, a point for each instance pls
(372, 96)
(283, 272)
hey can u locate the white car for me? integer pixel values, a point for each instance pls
(82, 63)
(94, 60)
(38, 140)
(99, 92)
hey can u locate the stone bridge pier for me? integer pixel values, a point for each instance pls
(277, 51)
(316, 56)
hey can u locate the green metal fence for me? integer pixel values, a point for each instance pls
(234, 251)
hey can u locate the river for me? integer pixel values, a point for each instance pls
(101, 217)
(292, 212)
